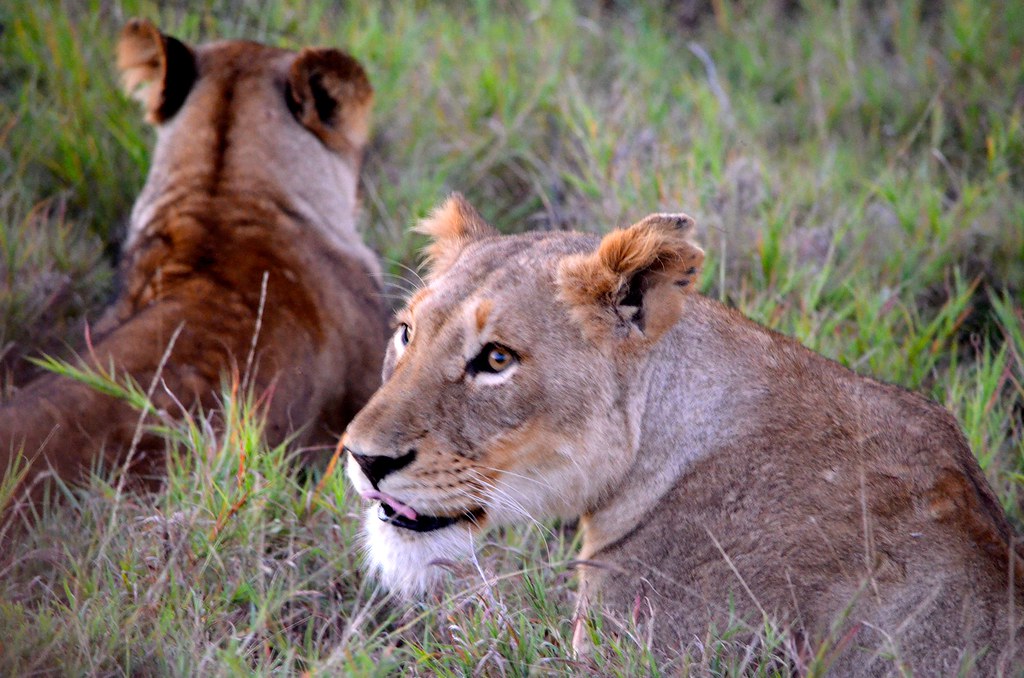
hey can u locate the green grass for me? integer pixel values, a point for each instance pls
(856, 170)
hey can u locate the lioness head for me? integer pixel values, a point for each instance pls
(511, 382)
(239, 118)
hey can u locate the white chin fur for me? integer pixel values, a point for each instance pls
(402, 559)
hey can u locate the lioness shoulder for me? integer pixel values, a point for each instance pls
(722, 473)
(242, 255)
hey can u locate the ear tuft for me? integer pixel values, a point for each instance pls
(452, 226)
(632, 288)
(156, 69)
(329, 93)
(656, 240)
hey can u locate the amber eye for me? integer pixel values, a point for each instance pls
(498, 359)
(492, 359)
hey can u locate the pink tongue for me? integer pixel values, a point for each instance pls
(399, 508)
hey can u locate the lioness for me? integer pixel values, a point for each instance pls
(242, 242)
(717, 468)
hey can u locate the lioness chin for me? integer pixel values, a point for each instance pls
(722, 473)
(241, 255)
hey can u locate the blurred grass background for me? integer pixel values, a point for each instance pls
(856, 168)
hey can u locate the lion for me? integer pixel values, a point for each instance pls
(241, 256)
(721, 472)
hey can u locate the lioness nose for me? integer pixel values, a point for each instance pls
(375, 467)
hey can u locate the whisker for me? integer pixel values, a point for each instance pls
(540, 482)
(503, 499)
(398, 281)
(395, 297)
(400, 264)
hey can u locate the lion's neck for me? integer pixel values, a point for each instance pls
(320, 198)
(693, 395)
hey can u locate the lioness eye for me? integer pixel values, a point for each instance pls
(493, 358)
(401, 338)
(498, 359)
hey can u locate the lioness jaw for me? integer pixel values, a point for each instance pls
(721, 472)
(242, 247)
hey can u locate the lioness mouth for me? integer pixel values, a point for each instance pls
(419, 523)
(398, 514)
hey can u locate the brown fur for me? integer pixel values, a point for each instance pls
(481, 314)
(723, 474)
(252, 185)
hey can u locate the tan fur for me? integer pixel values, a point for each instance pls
(150, 62)
(722, 473)
(253, 183)
(451, 227)
(658, 250)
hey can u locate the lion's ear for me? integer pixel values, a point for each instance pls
(452, 226)
(156, 69)
(631, 290)
(329, 93)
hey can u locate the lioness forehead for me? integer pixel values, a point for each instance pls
(483, 295)
(498, 266)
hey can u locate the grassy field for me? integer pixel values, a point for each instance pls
(856, 170)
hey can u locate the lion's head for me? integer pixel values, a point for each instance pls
(511, 382)
(239, 118)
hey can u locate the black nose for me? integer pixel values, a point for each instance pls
(375, 467)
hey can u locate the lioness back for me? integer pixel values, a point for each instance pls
(722, 473)
(242, 256)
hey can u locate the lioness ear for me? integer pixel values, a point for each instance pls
(631, 290)
(329, 93)
(156, 69)
(452, 226)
